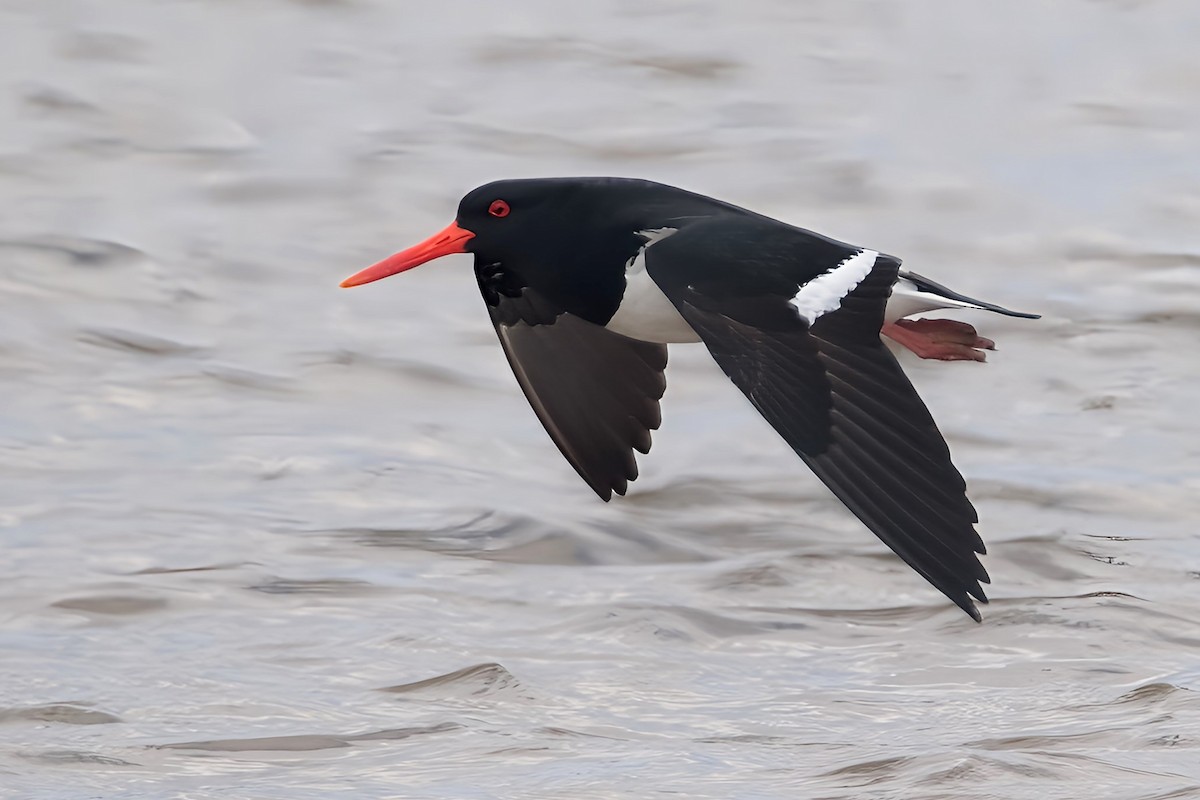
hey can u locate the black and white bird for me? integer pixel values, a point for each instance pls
(588, 280)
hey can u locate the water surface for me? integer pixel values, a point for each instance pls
(265, 538)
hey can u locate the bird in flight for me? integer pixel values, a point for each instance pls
(587, 280)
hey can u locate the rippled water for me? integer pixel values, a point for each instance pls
(265, 538)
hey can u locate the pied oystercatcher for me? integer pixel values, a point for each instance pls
(588, 279)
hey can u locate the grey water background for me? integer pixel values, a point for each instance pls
(264, 538)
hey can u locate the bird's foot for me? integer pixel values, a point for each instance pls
(943, 339)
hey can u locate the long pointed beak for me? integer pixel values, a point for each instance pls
(451, 240)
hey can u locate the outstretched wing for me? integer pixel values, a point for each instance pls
(808, 356)
(595, 391)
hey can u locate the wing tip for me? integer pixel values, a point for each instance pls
(972, 611)
(606, 491)
(964, 601)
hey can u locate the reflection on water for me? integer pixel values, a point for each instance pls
(268, 538)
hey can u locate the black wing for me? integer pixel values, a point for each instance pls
(595, 391)
(839, 398)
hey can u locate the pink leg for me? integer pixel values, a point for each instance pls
(943, 339)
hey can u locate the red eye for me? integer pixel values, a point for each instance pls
(499, 208)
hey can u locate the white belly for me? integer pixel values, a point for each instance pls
(645, 312)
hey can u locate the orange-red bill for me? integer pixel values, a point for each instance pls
(451, 240)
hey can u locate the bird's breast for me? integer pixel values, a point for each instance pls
(645, 313)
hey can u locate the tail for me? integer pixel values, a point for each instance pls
(925, 286)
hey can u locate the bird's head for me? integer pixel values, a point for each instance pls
(545, 219)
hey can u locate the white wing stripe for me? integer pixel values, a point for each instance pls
(824, 293)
